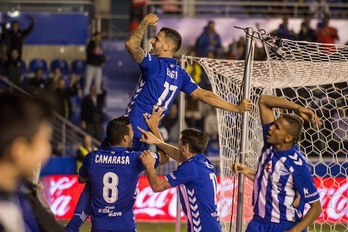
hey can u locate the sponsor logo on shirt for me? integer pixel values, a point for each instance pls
(307, 194)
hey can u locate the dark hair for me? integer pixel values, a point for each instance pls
(21, 116)
(196, 139)
(295, 125)
(174, 36)
(116, 129)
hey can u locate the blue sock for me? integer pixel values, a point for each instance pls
(82, 210)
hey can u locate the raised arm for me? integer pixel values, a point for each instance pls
(212, 99)
(157, 184)
(169, 150)
(133, 44)
(267, 103)
(152, 121)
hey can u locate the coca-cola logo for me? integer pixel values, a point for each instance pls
(335, 200)
(59, 194)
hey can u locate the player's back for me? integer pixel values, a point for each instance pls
(161, 81)
(114, 174)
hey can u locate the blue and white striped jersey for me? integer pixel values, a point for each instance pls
(114, 174)
(161, 81)
(280, 175)
(198, 191)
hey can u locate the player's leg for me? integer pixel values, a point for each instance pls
(98, 80)
(82, 210)
(88, 79)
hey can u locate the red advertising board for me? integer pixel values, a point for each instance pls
(62, 193)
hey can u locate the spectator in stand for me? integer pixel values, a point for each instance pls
(53, 81)
(208, 41)
(194, 69)
(193, 113)
(13, 69)
(95, 62)
(61, 99)
(85, 147)
(284, 32)
(15, 36)
(236, 49)
(306, 32)
(38, 84)
(327, 34)
(92, 116)
(74, 85)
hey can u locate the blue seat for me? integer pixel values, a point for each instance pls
(60, 63)
(38, 63)
(78, 67)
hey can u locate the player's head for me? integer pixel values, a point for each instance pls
(286, 130)
(166, 43)
(15, 25)
(193, 141)
(26, 130)
(120, 132)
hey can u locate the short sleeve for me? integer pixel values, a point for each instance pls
(186, 172)
(83, 172)
(188, 84)
(150, 64)
(155, 155)
(304, 183)
(265, 129)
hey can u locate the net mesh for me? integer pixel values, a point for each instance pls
(310, 74)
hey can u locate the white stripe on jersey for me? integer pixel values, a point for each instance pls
(271, 181)
(187, 205)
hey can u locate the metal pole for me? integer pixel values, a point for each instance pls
(181, 127)
(249, 56)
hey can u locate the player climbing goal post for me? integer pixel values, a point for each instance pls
(311, 74)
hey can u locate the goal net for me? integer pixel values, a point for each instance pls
(310, 74)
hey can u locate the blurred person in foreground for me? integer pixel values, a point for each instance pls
(26, 128)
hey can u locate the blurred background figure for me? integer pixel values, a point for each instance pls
(95, 62)
(14, 36)
(92, 116)
(208, 41)
(85, 147)
(306, 32)
(13, 69)
(283, 31)
(326, 33)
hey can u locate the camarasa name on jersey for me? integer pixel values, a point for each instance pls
(111, 159)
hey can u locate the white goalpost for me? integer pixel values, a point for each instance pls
(311, 74)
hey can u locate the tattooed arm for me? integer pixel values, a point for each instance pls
(134, 41)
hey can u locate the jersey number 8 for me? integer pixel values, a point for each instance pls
(110, 191)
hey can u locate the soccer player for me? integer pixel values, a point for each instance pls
(162, 79)
(195, 177)
(114, 173)
(282, 171)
